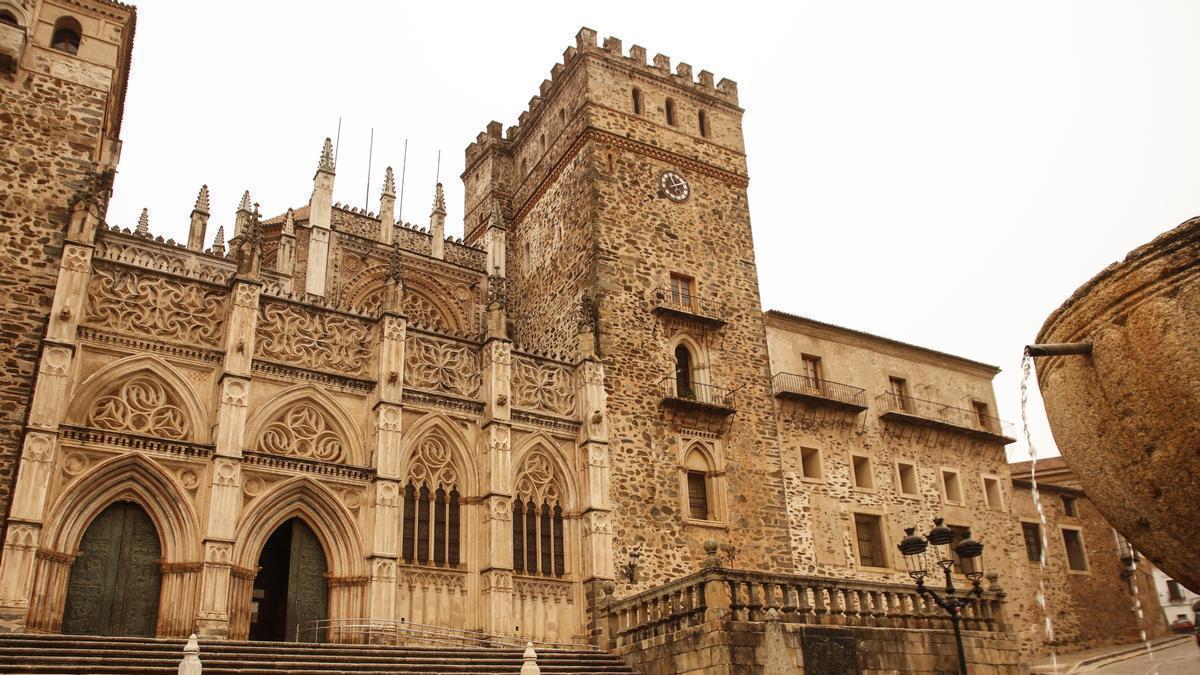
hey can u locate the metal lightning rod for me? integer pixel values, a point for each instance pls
(337, 142)
(370, 157)
(403, 175)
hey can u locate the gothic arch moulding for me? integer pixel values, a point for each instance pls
(142, 395)
(302, 498)
(303, 421)
(438, 453)
(427, 304)
(130, 477)
(542, 473)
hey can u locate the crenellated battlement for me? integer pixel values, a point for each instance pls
(702, 83)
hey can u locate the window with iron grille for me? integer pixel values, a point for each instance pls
(1033, 541)
(698, 495)
(870, 540)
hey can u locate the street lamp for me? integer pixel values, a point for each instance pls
(916, 551)
(630, 570)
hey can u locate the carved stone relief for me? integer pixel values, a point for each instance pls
(305, 431)
(433, 464)
(313, 339)
(536, 482)
(147, 305)
(543, 386)
(140, 404)
(441, 366)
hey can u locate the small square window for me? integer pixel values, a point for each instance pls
(1076, 558)
(952, 486)
(1069, 509)
(810, 460)
(863, 479)
(992, 496)
(869, 534)
(908, 478)
(1033, 541)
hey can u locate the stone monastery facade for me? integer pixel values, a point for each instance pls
(333, 417)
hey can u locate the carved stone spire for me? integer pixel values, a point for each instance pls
(199, 226)
(249, 248)
(326, 162)
(242, 216)
(245, 205)
(289, 224)
(143, 226)
(437, 223)
(387, 207)
(218, 247)
(393, 292)
(389, 183)
(285, 255)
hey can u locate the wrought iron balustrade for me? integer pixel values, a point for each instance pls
(696, 392)
(791, 385)
(692, 306)
(941, 414)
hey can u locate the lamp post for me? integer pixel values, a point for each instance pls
(915, 549)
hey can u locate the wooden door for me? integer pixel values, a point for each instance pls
(308, 589)
(115, 581)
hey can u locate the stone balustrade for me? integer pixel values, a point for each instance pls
(717, 593)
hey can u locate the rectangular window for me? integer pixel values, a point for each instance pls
(698, 495)
(991, 493)
(810, 459)
(908, 478)
(1033, 541)
(960, 533)
(982, 417)
(1069, 507)
(682, 295)
(810, 371)
(867, 530)
(862, 472)
(1076, 558)
(898, 387)
(952, 486)
(1174, 591)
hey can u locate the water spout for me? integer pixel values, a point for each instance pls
(1060, 349)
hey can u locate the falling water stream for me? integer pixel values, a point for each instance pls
(1026, 376)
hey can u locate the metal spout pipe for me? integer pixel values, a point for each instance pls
(1060, 349)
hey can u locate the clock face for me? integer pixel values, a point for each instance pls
(674, 186)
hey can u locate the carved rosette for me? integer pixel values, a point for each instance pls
(440, 365)
(142, 405)
(133, 302)
(303, 431)
(314, 339)
(543, 386)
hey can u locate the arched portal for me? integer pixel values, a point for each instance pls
(115, 581)
(290, 591)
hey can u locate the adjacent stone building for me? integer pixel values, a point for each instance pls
(326, 418)
(1098, 590)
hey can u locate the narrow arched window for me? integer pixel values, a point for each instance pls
(538, 536)
(66, 35)
(699, 486)
(518, 535)
(637, 101)
(8, 18)
(703, 117)
(683, 373)
(431, 525)
(671, 112)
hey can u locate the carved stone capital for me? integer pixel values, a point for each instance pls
(597, 523)
(56, 360)
(496, 581)
(39, 447)
(76, 258)
(227, 473)
(235, 392)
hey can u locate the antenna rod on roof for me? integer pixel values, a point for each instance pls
(337, 142)
(370, 156)
(403, 174)
(439, 167)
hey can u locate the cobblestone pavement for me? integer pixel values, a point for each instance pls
(1181, 659)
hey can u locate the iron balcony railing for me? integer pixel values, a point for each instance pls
(695, 392)
(804, 386)
(686, 303)
(961, 418)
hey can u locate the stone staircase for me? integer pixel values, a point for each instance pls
(92, 655)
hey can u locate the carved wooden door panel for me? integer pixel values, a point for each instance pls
(115, 581)
(308, 590)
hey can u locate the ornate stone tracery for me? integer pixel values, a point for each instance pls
(441, 366)
(543, 386)
(537, 482)
(432, 464)
(143, 405)
(129, 301)
(303, 431)
(313, 339)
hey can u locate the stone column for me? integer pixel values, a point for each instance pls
(496, 489)
(47, 409)
(381, 592)
(595, 505)
(225, 483)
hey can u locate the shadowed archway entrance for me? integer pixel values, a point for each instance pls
(115, 581)
(290, 589)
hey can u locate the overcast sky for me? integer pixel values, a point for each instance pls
(942, 173)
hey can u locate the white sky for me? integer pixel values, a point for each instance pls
(942, 173)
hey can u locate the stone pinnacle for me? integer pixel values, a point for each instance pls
(143, 226)
(202, 200)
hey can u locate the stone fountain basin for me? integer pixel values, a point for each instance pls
(1127, 418)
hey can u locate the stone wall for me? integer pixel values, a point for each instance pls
(59, 114)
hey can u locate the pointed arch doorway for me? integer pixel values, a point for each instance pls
(291, 589)
(115, 581)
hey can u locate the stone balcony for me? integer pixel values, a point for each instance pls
(820, 392)
(693, 308)
(945, 417)
(697, 397)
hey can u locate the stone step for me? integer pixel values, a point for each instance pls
(100, 655)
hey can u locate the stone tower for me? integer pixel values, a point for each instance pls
(620, 200)
(63, 71)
